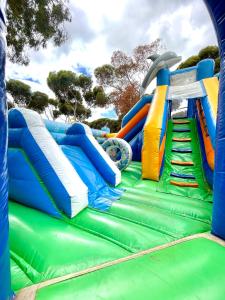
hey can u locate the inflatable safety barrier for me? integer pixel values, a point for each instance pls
(119, 151)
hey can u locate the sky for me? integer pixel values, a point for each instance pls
(99, 27)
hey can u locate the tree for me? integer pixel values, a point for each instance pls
(125, 99)
(52, 111)
(114, 125)
(96, 97)
(20, 92)
(39, 101)
(32, 23)
(65, 85)
(122, 78)
(22, 96)
(190, 62)
(75, 94)
(207, 52)
(217, 65)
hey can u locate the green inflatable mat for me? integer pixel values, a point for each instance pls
(149, 214)
(190, 270)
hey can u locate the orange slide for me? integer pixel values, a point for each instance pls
(138, 117)
(207, 142)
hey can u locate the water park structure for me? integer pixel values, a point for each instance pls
(79, 227)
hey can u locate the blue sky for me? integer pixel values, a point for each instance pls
(109, 113)
(31, 79)
(99, 27)
(82, 70)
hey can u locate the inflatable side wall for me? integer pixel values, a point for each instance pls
(217, 12)
(5, 292)
(206, 116)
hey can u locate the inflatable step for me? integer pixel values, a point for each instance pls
(184, 176)
(176, 139)
(181, 130)
(179, 118)
(179, 122)
(182, 163)
(182, 150)
(184, 184)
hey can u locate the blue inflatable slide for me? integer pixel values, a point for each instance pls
(64, 166)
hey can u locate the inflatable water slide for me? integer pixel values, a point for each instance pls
(79, 226)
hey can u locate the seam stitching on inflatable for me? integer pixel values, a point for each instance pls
(29, 293)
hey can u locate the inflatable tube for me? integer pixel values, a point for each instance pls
(119, 151)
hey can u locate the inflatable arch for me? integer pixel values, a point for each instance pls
(217, 13)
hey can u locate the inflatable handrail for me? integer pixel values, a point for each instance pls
(209, 150)
(210, 105)
(155, 135)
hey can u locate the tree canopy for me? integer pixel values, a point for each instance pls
(114, 125)
(39, 101)
(75, 94)
(20, 92)
(123, 76)
(32, 23)
(207, 52)
(23, 96)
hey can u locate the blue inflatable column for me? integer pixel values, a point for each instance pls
(163, 77)
(205, 69)
(217, 12)
(4, 227)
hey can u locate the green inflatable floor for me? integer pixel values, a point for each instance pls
(187, 271)
(149, 214)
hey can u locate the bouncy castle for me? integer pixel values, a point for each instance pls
(140, 216)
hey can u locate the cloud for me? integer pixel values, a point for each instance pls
(99, 27)
(176, 22)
